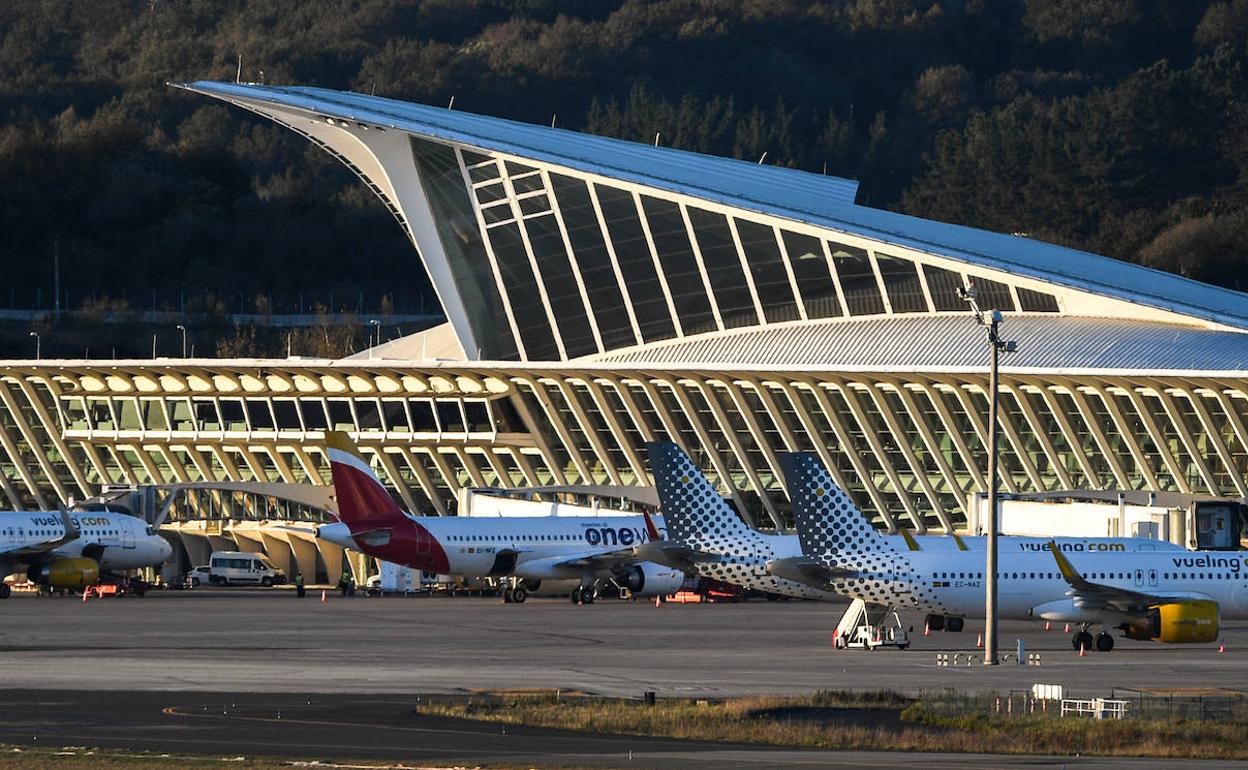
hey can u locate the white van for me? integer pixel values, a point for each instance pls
(237, 568)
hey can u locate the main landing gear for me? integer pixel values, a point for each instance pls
(583, 595)
(515, 592)
(1083, 640)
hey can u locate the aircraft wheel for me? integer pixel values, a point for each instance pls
(5, 590)
(587, 595)
(575, 596)
(954, 624)
(519, 595)
(936, 622)
(1104, 642)
(1081, 639)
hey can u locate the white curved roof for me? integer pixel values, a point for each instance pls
(819, 200)
(948, 342)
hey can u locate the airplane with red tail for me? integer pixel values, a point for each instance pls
(523, 551)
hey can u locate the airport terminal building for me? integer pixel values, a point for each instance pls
(600, 294)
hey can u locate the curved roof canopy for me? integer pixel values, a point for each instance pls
(819, 200)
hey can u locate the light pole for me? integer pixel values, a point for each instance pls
(992, 321)
(376, 325)
(38, 345)
(182, 329)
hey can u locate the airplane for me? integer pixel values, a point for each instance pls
(1159, 596)
(527, 550)
(71, 549)
(706, 537)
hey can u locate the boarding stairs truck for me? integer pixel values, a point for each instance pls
(868, 626)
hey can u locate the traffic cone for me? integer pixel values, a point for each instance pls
(1067, 629)
(1047, 625)
(1083, 651)
(658, 601)
(324, 598)
(979, 642)
(927, 629)
(85, 593)
(1221, 648)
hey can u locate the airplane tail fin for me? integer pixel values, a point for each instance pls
(693, 512)
(363, 503)
(827, 520)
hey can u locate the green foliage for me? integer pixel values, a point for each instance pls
(1114, 126)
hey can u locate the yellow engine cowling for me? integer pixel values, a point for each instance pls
(66, 573)
(1188, 622)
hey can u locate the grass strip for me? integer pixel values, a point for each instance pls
(883, 721)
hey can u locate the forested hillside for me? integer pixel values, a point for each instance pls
(1119, 126)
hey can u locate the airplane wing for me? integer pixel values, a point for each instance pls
(25, 550)
(674, 555)
(601, 561)
(1097, 595)
(807, 570)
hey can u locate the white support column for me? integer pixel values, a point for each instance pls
(53, 431)
(1068, 432)
(587, 428)
(1102, 441)
(1038, 430)
(743, 458)
(916, 467)
(933, 450)
(1215, 438)
(954, 432)
(1189, 441)
(872, 437)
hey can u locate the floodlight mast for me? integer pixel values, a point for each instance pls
(992, 322)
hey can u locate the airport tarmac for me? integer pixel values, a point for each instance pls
(260, 641)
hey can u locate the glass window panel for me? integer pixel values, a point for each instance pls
(561, 286)
(394, 411)
(1036, 301)
(943, 285)
(180, 413)
(636, 263)
(456, 222)
(368, 415)
(313, 414)
(498, 213)
(528, 184)
(901, 281)
(340, 414)
(206, 415)
(422, 415)
(75, 410)
(287, 414)
(992, 295)
(862, 291)
(814, 279)
(535, 205)
(684, 280)
(491, 192)
(478, 417)
(516, 169)
(585, 236)
(258, 414)
(128, 413)
(232, 414)
(521, 285)
(771, 280)
(723, 268)
(449, 416)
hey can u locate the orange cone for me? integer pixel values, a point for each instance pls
(1083, 651)
(323, 597)
(979, 642)
(927, 629)
(658, 601)
(1221, 648)
(85, 593)
(1047, 625)
(1067, 629)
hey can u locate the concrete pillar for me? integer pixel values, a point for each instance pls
(331, 556)
(198, 547)
(278, 551)
(303, 549)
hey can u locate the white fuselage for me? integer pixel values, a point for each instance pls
(539, 545)
(1031, 585)
(747, 566)
(115, 540)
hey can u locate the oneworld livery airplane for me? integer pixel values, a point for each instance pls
(591, 550)
(704, 535)
(70, 549)
(1160, 596)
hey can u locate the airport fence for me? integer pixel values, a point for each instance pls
(944, 705)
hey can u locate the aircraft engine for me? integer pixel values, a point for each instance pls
(650, 579)
(1194, 621)
(65, 573)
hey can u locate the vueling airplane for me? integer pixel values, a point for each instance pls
(71, 549)
(527, 549)
(1157, 596)
(704, 535)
